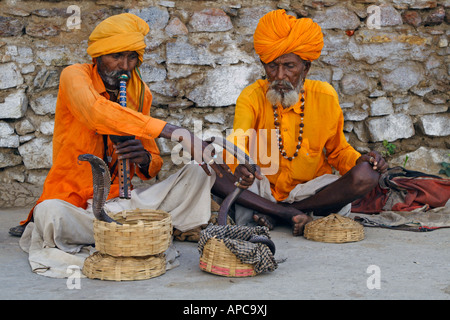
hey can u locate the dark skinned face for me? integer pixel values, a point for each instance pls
(288, 67)
(286, 75)
(111, 66)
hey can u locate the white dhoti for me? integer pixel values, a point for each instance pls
(61, 234)
(244, 216)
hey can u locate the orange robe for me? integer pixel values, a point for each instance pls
(84, 114)
(323, 146)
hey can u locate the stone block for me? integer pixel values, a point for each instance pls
(223, 85)
(210, 20)
(176, 27)
(15, 105)
(416, 106)
(10, 76)
(182, 52)
(248, 17)
(390, 128)
(11, 27)
(8, 138)
(353, 83)
(337, 17)
(151, 73)
(156, 17)
(42, 30)
(402, 78)
(412, 18)
(37, 154)
(436, 124)
(435, 17)
(381, 106)
(44, 105)
(389, 16)
(24, 127)
(47, 127)
(423, 159)
(9, 159)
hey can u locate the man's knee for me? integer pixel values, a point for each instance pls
(364, 178)
(45, 209)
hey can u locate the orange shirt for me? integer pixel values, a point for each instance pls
(84, 114)
(323, 146)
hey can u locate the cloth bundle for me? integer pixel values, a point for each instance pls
(236, 240)
(400, 189)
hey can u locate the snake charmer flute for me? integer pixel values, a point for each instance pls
(124, 165)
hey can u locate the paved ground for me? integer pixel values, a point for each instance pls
(409, 265)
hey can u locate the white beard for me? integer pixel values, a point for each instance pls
(287, 99)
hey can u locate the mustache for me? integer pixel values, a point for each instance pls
(116, 74)
(289, 98)
(281, 83)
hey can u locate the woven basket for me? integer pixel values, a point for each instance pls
(218, 259)
(142, 233)
(335, 229)
(105, 267)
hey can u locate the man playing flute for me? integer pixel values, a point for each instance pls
(87, 114)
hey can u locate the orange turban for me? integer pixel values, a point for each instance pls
(123, 32)
(278, 33)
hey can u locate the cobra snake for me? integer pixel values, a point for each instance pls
(102, 183)
(248, 162)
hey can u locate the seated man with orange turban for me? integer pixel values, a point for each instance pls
(293, 129)
(87, 114)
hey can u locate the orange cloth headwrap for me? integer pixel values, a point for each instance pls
(278, 33)
(122, 32)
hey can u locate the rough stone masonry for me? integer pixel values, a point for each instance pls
(388, 61)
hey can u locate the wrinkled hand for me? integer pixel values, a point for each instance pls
(134, 151)
(244, 177)
(201, 151)
(210, 158)
(376, 160)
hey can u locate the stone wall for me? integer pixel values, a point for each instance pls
(388, 61)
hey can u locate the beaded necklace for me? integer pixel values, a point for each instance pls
(300, 131)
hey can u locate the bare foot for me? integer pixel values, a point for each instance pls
(298, 223)
(264, 220)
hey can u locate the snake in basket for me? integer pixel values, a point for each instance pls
(102, 183)
(248, 162)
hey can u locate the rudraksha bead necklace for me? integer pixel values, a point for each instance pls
(300, 131)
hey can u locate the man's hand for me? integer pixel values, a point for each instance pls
(245, 177)
(134, 151)
(200, 151)
(375, 159)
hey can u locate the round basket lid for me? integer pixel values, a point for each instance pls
(334, 228)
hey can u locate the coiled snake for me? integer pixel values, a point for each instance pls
(102, 183)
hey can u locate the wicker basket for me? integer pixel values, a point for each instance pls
(218, 259)
(142, 233)
(335, 229)
(105, 267)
